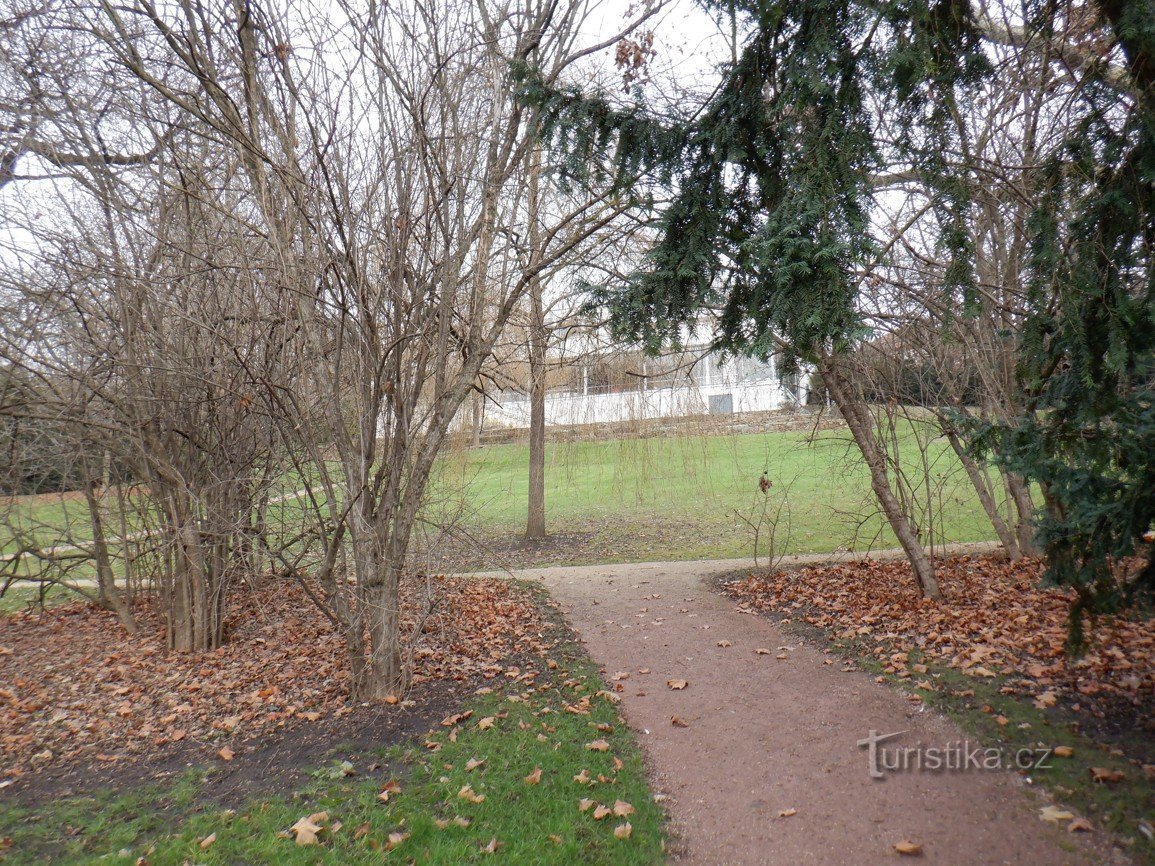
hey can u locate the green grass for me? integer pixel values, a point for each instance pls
(166, 825)
(22, 597)
(677, 497)
(680, 497)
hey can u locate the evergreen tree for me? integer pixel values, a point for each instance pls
(772, 186)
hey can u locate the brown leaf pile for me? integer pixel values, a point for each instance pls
(995, 618)
(72, 685)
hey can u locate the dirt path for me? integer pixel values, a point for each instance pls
(766, 735)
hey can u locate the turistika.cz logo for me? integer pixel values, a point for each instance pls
(954, 757)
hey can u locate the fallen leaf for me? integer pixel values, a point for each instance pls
(534, 777)
(623, 831)
(598, 746)
(307, 829)
(1055, 815)
(467, 793)
(679, 722)
(677, 685)
(1063, 751)
(787, 813)
(601, 811)
(486, 723)
(585, 804)
(491, 848)
(724, 643)
(1080, 825)
(473, 763)
(390, 788)
(910, 849)
(207, 841)
(622, 808)
(1103, 774)
(395, 839)
(762, 651)
(226, 754)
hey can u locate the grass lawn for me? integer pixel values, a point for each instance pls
(684, 497)
(679, 497)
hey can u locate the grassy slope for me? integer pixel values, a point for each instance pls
(685, 492)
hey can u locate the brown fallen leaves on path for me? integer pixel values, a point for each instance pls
(995, 618)
(72, 685)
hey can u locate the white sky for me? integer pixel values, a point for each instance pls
(689, 46)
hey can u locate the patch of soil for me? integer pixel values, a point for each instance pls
(78, 693)
(277, 762)
(592, 542)
(995, 619)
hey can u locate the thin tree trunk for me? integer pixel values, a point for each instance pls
(109, 595)
(535, 521)
(477, 419)
(861, 425)
(982, 487)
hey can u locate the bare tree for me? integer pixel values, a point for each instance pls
(379, 168)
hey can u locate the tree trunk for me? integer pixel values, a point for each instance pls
(982, 487)
(382, 674)
(861, 425)
(195, 600)
(109, 595)
(1025, 506)
(478, 416)
(535, 521)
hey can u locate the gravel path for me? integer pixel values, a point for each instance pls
(766, 735)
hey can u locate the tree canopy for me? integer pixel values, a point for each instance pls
(773, 182)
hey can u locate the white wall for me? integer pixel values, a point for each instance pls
(570, 409)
